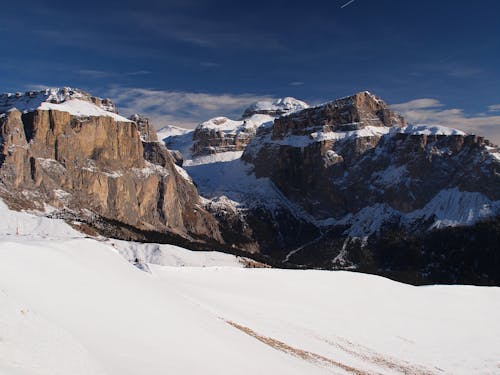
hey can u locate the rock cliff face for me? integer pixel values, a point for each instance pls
(338, 158)
(67, 150)
(363, 174)
(344, 185)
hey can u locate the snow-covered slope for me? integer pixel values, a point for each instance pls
(170, 131)
(76, 307)
(73, 101)
(276, 107)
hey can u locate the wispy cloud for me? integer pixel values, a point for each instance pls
(97, 74)
(209, 64)
(432, 111)
(296, 83)
(200, 32)
(181, 108)
(94, 73)
(494, 108)
(453, 69)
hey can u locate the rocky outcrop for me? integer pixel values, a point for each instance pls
(97, 166)
(275, 108)
(355, 152)
(31, 100)
(364, 174)
(221, 134)
(146, 130)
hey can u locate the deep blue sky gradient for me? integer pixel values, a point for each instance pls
(312, 50)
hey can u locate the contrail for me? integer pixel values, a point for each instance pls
(346, 4)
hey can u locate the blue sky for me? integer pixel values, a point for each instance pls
(183, 61)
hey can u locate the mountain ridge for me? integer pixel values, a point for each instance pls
(310, 186)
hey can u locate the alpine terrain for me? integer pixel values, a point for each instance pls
(212, 250)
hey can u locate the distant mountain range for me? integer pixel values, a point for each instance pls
(345, 185)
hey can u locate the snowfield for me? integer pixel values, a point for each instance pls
(75, 305)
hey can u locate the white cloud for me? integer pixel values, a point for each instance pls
(180, 108)
(431, 111)
(494, 108)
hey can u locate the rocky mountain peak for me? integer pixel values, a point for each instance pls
(30, 101)
(350, 113)
(275, 108)
(65, 149)
(146, 129)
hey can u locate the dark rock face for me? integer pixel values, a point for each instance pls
(346, 114)
(261, 231)
(339, 172)
(98, 166)
(452, 255)
(221, 135)
(367, 178)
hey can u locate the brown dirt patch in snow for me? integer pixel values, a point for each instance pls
(296, 352)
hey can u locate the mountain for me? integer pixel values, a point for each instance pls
(66, 151)
(350, 185)
(253, 214)
(344, 185)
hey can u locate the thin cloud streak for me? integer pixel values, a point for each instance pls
(494, 108)
(430, 111)
(179, 108)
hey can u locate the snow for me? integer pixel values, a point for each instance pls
(66, 99)
(74, 305)
(77, 107)
(149, 170)
(169, 131)
(450, 207)
(33, 226)
(225, 174)
(367, 131)
(453, 207)
(219, 157)
(221, 123)
(285, 105)
(108, 317)
(226, 128)
(183, 173)
(431, 130)
(170, 255)
(390, 176)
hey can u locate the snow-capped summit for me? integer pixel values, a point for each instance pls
(276, 107)
(221, 134)
(66, 99)
(170, 130)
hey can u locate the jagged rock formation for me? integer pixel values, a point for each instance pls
(345, 185)
(67, 150)
(146, 129)
(361, 172)
(276, 108)
(221, 134)
(355, 152)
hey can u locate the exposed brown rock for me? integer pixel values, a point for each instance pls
(335, 176)
(146, 129)
(98, 166)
